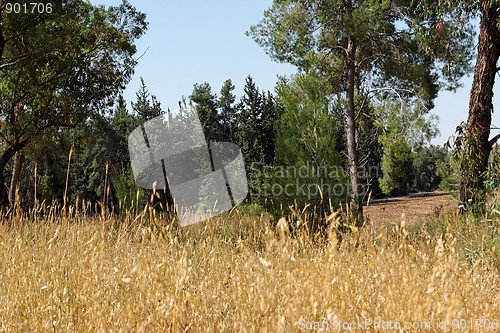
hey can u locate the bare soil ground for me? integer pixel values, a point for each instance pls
(414, 208)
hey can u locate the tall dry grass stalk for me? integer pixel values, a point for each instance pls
(235, 273)
(65, 199)
(35, 182)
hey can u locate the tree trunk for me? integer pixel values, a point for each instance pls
(352, 149)
(477, 145)
(16, 174)
(4, 159)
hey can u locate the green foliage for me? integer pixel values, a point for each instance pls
(278, 187)
(468, 152)
(228, 111)
(492, 181)
(255, 133)
(55, 71)
(270, 112)
(404, 131)
(396, 167)
(50, 154)
(102, 141)
(307, 170)
(306, 131)
(146, 106)
(427, 163)
(126, 190)
(399, 45)
(59, 68)
(249, 123)
(449, 173)
(121, 124)
(206, 105)
(369, 146)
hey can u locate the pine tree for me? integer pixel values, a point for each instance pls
(360, 46)
(206, 106)
(250, 124)
(267, 135)
(228, 111)
(146, 106)
(306, 132)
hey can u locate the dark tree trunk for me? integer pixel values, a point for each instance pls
(16, 174)
(110, 199)
(4, 159)
(352, 149)
(477, 144)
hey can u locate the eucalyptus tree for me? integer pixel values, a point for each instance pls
(475, 143)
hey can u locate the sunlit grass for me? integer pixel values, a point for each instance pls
(234, 273)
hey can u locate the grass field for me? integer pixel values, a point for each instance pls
(235, 273)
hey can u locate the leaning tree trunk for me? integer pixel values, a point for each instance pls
(352, 149)
(477, 145)
(4, 159)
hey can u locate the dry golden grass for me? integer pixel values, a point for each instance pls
(236, 274)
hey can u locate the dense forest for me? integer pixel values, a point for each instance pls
(289, 152)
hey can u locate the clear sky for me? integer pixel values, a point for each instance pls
(196, 41)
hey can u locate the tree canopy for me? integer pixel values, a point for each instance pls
(57, 68)
(370, 49)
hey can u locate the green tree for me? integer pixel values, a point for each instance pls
(426, 164)
(305, 135)
(405, 130)
(369, 146)
(56, 68)
(98, 158)
(102, 145)
(449, 172)
(228, 111)
(146, 105)
(475, 145)
(206, 106)
(123, 123)
(364, 46)
(250, 123)
(305, 131)
(396, 167)
(49, 155)
(270, 112)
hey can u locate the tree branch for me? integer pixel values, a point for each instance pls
(13, 61)
(494, 140)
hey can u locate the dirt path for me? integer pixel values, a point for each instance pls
(414, 208)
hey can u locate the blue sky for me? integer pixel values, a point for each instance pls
(195, 41)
